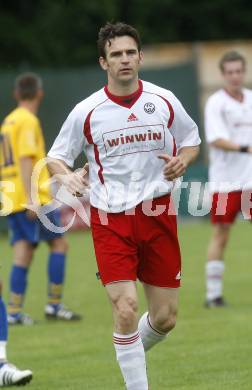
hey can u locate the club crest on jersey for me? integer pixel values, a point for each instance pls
(149, 108)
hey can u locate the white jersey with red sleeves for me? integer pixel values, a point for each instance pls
(227, 118)
(122, 138)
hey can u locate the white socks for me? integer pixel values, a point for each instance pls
(3, 357)
(214, 279)
(148, 334)
(131, 358)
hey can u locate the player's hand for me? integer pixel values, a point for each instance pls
(84, 172)
(32, 213)
(75, 182)
(174, 166)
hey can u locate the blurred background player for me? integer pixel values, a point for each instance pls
(228, 127)
(23, 147)
(133, 241)
(9, 374)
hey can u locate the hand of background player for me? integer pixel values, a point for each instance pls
(31, 214)
(174, 166)
(32, 211)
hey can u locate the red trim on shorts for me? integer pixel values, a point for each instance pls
(126, 101)
(88, 135)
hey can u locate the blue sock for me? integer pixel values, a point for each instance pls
(56, 275)
(3, 322)
(18, 284)
(3, 332)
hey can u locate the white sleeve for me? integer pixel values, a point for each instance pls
(70, 140)
(184, 129)
(215, 126)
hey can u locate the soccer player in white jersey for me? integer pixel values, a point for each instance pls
(228, 127)
(137, 138)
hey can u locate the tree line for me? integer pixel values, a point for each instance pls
(63, 33)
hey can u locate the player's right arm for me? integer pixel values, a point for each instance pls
(75, 182)
(66, 148)
(217, 134)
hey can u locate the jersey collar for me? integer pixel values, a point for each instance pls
(242, 98)
(126, 101)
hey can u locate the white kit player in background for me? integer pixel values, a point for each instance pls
(137, 138)
(228, 127)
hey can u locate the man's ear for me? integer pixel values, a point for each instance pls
(16, 94)
(141, 57)
(40, 94)
(103, 63)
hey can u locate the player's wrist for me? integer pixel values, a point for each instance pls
(244, 149)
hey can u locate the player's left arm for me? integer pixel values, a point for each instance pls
(27, 147)
(186, 136)
(175, 166)
(26, 169)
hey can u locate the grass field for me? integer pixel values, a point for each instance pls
(208, 350)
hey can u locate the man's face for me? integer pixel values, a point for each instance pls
(122, 59)
(233, 74)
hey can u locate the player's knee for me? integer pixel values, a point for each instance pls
(165, 322)
(59, 245)
(224, 239)
(221, 237)
(221, 241)
(126, 309)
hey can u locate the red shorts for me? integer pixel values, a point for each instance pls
(226, 206)
(138, 246)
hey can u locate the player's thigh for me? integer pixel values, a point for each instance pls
(115, 248)
(160, 263)
(221, 232)
(23, 253)
(22, 228)
(162, 302)
(50, 232)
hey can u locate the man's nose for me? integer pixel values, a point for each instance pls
(125, 57)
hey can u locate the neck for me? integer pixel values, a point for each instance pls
(236, 93)
(30, 105)
(122, 89)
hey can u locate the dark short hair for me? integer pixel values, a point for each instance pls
(27, 85)
(230, 57)
(110, 31)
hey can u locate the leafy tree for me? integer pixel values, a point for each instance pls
(63, 33)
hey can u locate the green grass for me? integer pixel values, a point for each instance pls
(208, 350)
